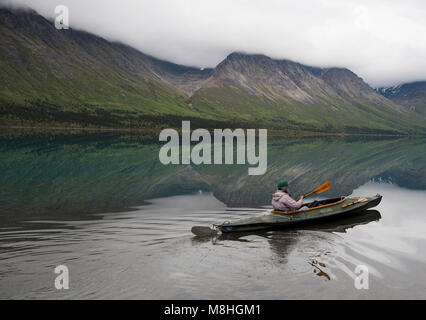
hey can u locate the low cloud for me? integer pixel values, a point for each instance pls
(382, 41)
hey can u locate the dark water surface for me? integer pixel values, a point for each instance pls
(103, 205)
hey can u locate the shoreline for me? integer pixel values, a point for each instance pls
(271, 132)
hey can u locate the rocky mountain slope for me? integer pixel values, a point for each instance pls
(411, 95)
(282, 91)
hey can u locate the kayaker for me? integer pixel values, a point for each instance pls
(281, 200)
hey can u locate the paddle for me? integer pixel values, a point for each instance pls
(322, 188)
(203, 231)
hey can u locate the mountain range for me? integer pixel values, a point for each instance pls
(53, 77)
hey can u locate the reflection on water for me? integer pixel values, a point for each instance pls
(103, 205)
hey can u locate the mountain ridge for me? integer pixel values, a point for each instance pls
(411, 95)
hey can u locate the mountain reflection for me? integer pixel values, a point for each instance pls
(74, 172)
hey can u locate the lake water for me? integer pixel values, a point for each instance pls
(102, 204)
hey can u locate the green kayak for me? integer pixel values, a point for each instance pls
(317, 211)
(333, 225)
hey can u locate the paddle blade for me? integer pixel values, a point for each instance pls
(322, 188)
(202, 231)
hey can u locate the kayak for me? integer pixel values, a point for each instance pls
(313, 212)
(340, 225)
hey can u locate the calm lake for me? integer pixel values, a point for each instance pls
(102, 204)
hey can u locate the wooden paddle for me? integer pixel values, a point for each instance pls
(322, 188)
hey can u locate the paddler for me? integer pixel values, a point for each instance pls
(281, 200)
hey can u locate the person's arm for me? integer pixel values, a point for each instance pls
(291, 203)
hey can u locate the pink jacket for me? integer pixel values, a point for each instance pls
(282, 201)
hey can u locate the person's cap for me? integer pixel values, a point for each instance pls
(282, 184)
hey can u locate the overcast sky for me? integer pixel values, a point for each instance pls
(383, 41)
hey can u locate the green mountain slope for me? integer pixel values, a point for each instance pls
(73, 78)
(68, 76)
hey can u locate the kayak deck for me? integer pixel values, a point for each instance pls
(328, 209)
